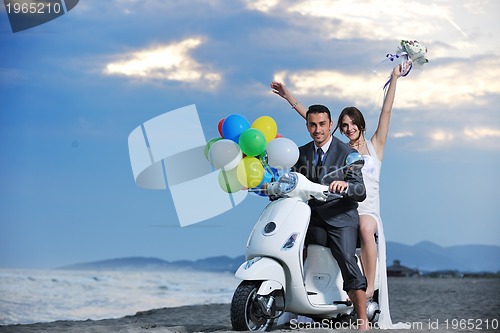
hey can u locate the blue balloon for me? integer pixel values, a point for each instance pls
(233, 126)
(268, 177)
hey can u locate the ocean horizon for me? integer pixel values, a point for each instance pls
(34, 295)
(29, 296)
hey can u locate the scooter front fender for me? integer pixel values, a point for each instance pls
(263, 269)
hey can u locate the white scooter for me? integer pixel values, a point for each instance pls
(275, 277)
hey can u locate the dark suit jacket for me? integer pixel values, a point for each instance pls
(341, 212)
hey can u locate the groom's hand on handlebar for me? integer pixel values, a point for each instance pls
(338, 186)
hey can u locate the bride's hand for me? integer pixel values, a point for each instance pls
(279, 89)
(401, 69)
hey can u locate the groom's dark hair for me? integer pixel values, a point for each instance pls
(317, 108)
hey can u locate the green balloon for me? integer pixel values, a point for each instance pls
(252, 142)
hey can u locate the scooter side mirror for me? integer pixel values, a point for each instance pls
(355, 161)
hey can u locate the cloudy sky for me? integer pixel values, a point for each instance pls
(73, 89)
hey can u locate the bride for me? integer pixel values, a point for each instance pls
(352, 124)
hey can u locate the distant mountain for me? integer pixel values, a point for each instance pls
(424, 256)
(130, 263)
(213, 264)
(427, 256)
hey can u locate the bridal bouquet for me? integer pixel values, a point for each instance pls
(409, 50)
(414, 52)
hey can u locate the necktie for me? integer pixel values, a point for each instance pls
(319, 162)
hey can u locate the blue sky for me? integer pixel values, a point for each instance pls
(73, 89)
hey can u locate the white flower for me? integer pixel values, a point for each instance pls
(414, 50)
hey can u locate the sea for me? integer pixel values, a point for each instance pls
(32, 296)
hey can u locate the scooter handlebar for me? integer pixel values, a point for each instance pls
(299, 186)
(273, 189)
(335, 195)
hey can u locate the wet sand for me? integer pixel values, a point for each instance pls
(429, 305)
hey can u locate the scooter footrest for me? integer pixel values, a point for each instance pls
(348, 303)
(309, 293)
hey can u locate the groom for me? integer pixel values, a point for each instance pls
(335, 224)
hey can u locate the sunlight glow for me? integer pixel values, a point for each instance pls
(170, 62)
(442, 136)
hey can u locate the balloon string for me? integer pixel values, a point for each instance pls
(266, 166)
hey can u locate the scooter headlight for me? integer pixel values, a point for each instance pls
(288, 182)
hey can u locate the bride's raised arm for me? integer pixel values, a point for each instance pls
(380, 136)
(279, 89)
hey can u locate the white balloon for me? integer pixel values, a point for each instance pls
(282, 153)
(225, 154)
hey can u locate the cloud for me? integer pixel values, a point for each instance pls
(404, 134)
(442, 136)
(470, 137)
(344, 19)
(430, 137)
(148, 10)
(465, 27)
(451, 85)
(171, 62)
(348, 19)
(355, 89)
(445, 16)
(446, 85)
(438, 137)
(449, 102)
(479, 133)
(444, 95)
(262, 5)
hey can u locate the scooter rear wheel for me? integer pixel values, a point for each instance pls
(246, 313)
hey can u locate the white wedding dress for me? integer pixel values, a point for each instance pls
(371, 206)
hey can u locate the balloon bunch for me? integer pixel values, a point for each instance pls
(249, 156)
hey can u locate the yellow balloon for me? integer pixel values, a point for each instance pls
(267, 126)
(250, 172)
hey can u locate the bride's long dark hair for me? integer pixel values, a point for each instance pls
(355, 115)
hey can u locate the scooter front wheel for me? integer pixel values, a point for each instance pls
(247, 313)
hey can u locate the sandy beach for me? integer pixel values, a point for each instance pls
(429, 305)
(186, 319)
